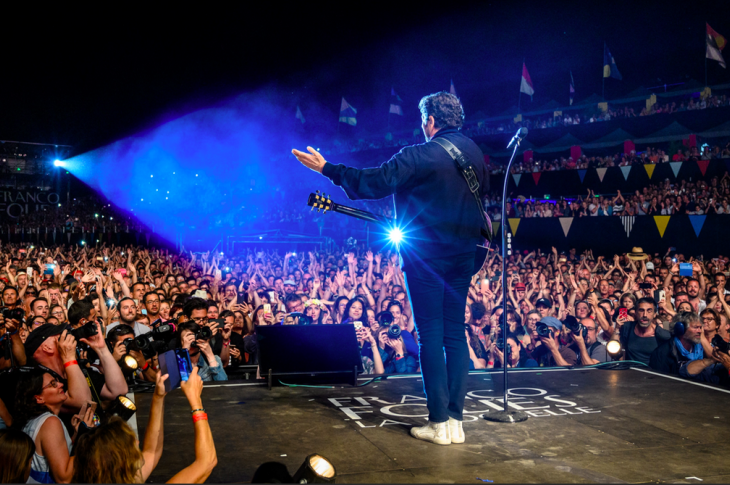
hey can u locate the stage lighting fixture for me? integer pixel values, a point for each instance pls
(315, 469)
(123, 407)
(395, 235)
(83, 242)
(128, 364)
(96, 215)
(613, 347)
(57, 163)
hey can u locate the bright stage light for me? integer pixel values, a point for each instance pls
(58, 163)
(395, 235)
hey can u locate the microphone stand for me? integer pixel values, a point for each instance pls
(506, 416)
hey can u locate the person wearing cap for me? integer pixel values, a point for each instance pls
(543, 305)
(290, 287)
(54, 347)
(552, 353)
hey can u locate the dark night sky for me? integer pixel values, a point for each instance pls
(72, 79)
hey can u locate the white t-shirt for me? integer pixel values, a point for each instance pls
(139, 328)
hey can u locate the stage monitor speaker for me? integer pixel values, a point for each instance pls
(309, 353)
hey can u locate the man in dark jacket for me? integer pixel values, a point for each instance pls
(441, 224)
(686, 345)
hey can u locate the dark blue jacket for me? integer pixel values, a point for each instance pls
(434, 208)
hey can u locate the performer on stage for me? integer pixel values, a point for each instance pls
(441, 225)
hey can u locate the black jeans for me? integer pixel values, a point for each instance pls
(438, 289)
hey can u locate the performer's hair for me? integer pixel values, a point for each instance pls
(445, 108)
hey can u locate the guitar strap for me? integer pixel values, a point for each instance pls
(467, 171)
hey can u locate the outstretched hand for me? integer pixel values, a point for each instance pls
(312, 160)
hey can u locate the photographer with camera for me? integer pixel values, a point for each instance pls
(12, 350)
(196, 340)
(121, 341)
(552, 353)
(232, 340)
(393, 351)
(586, 344)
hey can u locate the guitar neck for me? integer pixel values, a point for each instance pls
(362, 214)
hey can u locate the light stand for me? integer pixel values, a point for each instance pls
(507, 416)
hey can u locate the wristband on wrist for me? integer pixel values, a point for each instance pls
(70, 363)
(146, 365)
(199, 417)
(198, 410)
(490, 363)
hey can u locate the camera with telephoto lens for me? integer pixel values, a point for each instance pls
(500, 344)
(301, 318)
(575, 326)
(155, 342)
(543, 329)
(14, 314)
(204, 333)
(720, 344)
(394, 331)
(87, 330)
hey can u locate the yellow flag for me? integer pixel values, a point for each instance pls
(649, 168)
(661, 223)
(513, 223)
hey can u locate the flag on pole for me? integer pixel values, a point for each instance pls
(452, 90)
(526, 83)
(609, 65)
(395, 102)
(715, 44)
(347, 113)
(300, 116)
(572, 88)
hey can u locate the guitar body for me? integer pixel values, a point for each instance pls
(322, 202)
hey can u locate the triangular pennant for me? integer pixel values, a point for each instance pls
(495, 227)
(649, 167)
(517, 177)
(536, 176)
(601, 173)
(513, 223)
(625, 170)
(628, 222)
(582, 174)
(565, 222)
(675, 167)
(697, 223)
(661, 223)
(703, 166)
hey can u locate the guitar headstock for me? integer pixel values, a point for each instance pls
(319, 201)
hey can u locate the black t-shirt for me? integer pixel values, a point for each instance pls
(238, 342)
(251, 347)
(544, 356)
(641, 348)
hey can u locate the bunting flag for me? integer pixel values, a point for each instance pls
(347, 113)
(495, 228)
(661, 223)
(299, 115)
(526, 82)
(703, 164)
(649, 167)
(715, 44)
(628, 222)
(565, 223)
(517, 177)
(603, 106)
(536, 176)
(518, 118)
(572, 88)
(625, 170)
(675, 167)
(395, 103)
(452, 89)
(601, 173)
(582, 174)
(697, 223)
(609, 64)
(514, 222)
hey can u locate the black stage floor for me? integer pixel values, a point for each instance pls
(608, 426)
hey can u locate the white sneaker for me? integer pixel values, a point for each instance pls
(457, 432)
(438, 433)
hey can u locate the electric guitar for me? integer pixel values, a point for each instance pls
(324, 204)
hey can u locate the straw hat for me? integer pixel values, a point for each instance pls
(637, 254)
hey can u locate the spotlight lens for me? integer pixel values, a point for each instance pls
(395, 235)
(130, 362)
(57, 163)
(127, 403)
(613, 347)
(322, 466)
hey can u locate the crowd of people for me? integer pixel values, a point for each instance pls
(80, 325)
(665, 198)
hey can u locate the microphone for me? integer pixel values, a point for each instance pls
(521, 133)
